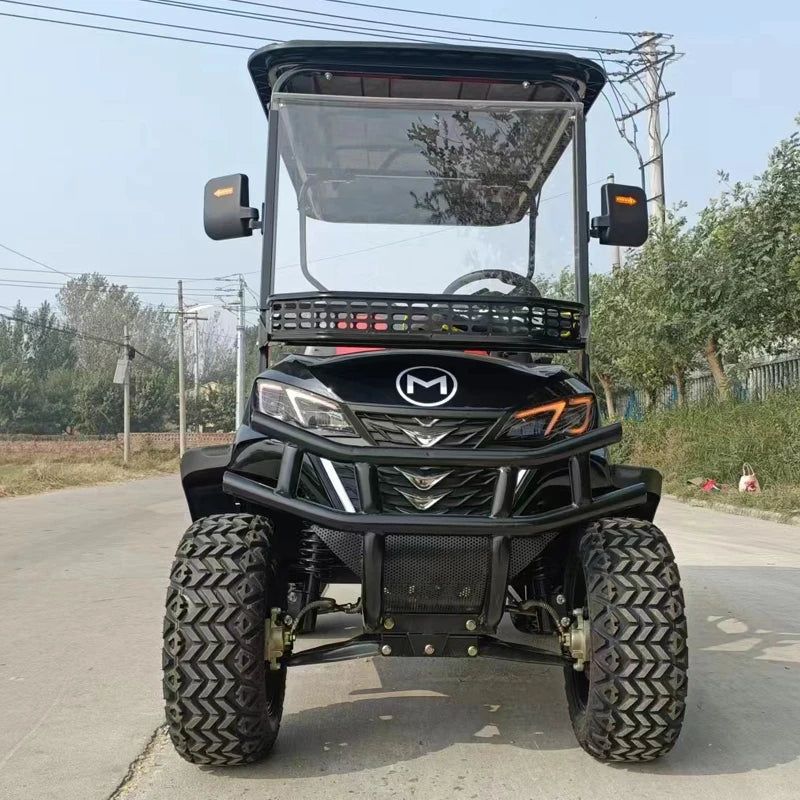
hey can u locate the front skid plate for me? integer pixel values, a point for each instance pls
(425, 645)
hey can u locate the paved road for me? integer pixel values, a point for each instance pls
(82, 577)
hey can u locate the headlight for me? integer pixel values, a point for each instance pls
(304, 409)
(569, 416)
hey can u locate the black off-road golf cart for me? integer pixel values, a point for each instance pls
(411, 431)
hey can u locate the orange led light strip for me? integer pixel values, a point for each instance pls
(558, 407)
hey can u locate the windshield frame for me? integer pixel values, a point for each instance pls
(577, 143)
(580, 217)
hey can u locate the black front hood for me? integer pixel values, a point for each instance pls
(427, 380)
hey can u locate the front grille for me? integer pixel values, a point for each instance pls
(423, 430)
(437, 574)
(436, 490)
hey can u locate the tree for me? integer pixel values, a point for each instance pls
(93, 306)
(486, 170)
(219, 406)
(17, 398)
(658, 309)
(35, 339)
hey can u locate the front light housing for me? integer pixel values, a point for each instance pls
(304, 409)
(568, 416)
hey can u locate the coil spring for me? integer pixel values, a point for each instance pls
(314, 558)
(541, 570)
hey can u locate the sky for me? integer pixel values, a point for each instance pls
(107, 140)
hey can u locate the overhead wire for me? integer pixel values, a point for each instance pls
(32, 260)
(52, 285)
(190, 279)
(121, 30)
(418, 30)
(80, 335)
(481, 19)
(136, 20)
(383, 32)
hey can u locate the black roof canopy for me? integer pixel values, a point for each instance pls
(434, 71)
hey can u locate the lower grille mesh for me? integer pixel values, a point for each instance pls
(442, 574)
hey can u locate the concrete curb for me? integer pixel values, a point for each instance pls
(740, 511)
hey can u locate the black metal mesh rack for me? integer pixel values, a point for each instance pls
(452, 321)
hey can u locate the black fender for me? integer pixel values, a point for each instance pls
(626, 475)
(201, 475)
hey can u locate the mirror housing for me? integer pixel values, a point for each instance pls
(226, 208)
(624, 219)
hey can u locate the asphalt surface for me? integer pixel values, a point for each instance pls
(82, 579)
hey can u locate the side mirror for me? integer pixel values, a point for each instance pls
(226, 208)
(624, 218)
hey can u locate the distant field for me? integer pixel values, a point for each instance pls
(44, 466)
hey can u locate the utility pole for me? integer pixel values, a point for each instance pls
(616, 253)
(181, 377)
(197, 364)
(654, 130)
(126, 402)
(648, 78)
(240, 358)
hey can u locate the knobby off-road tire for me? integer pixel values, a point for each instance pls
(223, 704)
(629, 703)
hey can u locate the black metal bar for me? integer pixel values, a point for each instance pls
(581, 233)
(504, 492)
(268, 229)
(359, 647)
(289, 474)
(496, 592)
(434, 524)
(509, 651)
(368, 491)
(455, 646)
(423, 457)
(580, 480)
(372, 580)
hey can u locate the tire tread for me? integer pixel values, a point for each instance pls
(638, 672)
(223, 707)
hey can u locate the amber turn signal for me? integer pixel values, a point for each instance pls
(557, 409)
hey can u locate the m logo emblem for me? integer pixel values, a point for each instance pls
(426, 386)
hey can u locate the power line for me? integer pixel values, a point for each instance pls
(160, 290)
(78, 335)
(411, 30)
(32, 260)
(301, 23)
(480, 19)
(114, 274)
(137, 20)
(122, 30)
(29, 283)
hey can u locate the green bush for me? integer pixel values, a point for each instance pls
(714, 439)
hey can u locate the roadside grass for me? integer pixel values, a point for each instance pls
(25, 473)
(713, 440)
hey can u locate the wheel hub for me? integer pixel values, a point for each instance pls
(577, 640)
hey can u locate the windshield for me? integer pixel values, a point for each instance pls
(381, 194)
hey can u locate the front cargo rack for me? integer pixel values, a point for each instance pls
(493, 322)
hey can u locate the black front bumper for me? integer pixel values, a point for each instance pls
(498, 527)
(370, 519)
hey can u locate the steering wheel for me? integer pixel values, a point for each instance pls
(521, 285)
